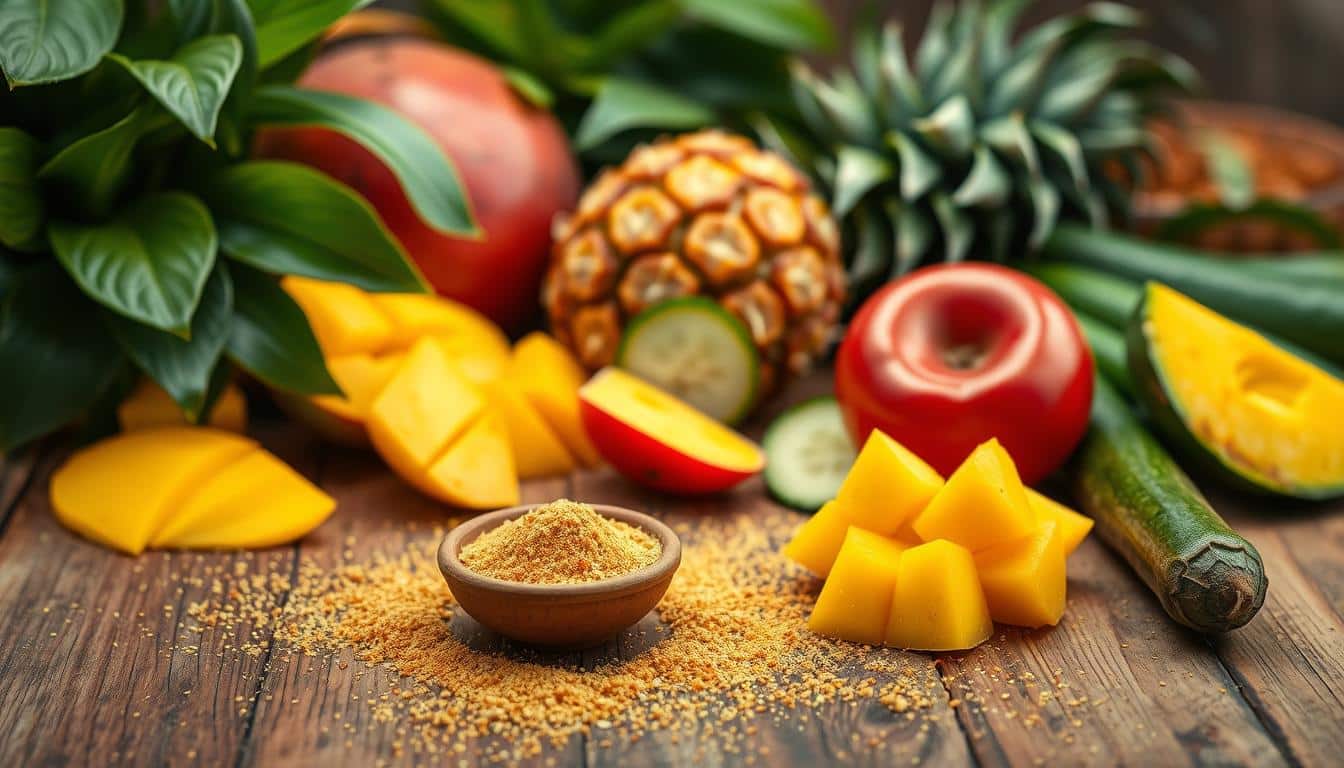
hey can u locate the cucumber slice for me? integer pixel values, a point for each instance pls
(694, 349)
(807, 454)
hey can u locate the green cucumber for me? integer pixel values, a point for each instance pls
(1108, 350)
(1112, 300)
(1305, 311)
(695, 349)
(807, 454)
(1206, 576)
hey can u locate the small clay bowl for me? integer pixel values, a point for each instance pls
(559, 615)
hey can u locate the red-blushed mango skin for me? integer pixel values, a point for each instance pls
(644, 459)
(1032, 389)
(513, 159)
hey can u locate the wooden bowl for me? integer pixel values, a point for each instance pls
(559, 615)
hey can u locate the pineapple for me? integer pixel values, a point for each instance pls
(981, 145)
(703, 214)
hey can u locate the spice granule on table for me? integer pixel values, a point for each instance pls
(564, 542)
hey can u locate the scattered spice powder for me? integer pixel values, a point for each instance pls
(564, 542)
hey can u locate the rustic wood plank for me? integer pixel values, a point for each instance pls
(1115, 682)
(861, 732)
(94, 637)
(15, 474)
(1290, 658)
(316, 709)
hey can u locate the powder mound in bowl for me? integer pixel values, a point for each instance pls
(564, 542)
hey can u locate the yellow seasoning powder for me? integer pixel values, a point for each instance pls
(564, 542)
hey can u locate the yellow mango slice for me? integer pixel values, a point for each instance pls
(344, 319)
(465, 334)
(119, 491)
(149, 406)
(938, 604)
(550, 377)
(855, 603)
(983, 503)
(1073, 527)
(256, 501)
(424, 406)
(884, 490)
(477, 470)
(361, 378)
(1024, 581)
(537, 451)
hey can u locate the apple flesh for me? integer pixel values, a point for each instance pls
(659, 441)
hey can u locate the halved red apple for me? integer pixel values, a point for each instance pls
(657, 440)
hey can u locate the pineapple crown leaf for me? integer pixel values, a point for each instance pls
(979, 144)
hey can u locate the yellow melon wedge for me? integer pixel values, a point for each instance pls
(256, 501)
(422, 409)
(550, 377)
(119, 491)
(148, 406)
(344, 319)
(476, 471)
(855, 603)
(938, 604)
(537, 451)
(1025, 581)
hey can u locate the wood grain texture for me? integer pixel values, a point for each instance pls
(91, 637)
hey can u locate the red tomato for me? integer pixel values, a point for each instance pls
(514, 161)
(952, 355)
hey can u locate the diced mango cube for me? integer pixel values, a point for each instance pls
(855, 603)
(477, 469)
(982, 504)
(424, 406)
(344, 319)
(884, 490)
(537, 451)
(938, 604)
(1024, 581)
(1073, 527)
(256, 501)
(887, 486)
(550, 377)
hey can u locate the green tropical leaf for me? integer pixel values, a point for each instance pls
(1045, 201)
(287, 218)
(900, 82)
(493, 23)
(43, 41)
(628, 32)
(148, 263)
(1230, 171)
(937, 42)
(623, 104)
(950, 128)
(858, 170)
(869, 262)
(1000, 19)
(193, 84)
(1010, 138)
(50, 333)
(20, 200)
(284, 26)
(957, 228)
(913, 235)
(271, 339)
(1065, 146)
(427, 176)
(183, 367)
(920, 172)
(90, 172)
(233, 17)
(796, 25)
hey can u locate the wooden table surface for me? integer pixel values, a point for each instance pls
(90, 672)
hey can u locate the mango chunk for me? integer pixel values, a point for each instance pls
(983, 503)
(424, 406)
(1073, 527)
(477, 470)
(344, 319)
(149, 406)
(938, 604)
(256, 501)
(476, 345)
(884, 490)
(550, 377)
(119, 491)
(855, 603)
(1025, 581)
(537, 451)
